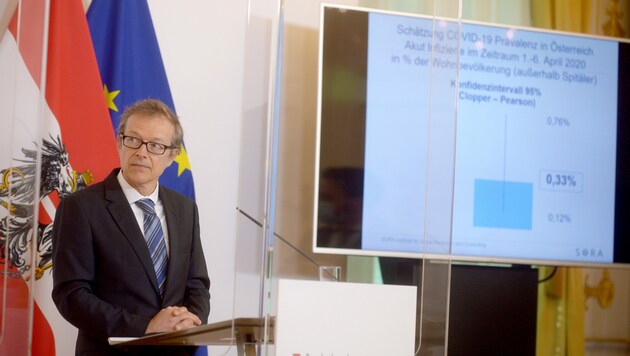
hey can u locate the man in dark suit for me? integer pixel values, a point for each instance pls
(127, 255)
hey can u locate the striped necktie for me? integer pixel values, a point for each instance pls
(154, 237)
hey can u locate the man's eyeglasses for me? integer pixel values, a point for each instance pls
(152, 147)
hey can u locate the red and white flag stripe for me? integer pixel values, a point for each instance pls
(49, 87)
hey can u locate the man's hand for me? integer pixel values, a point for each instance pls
(172, 319)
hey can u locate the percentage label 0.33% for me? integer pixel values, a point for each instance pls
(561, 181)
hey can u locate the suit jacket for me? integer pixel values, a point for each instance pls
(104, 280)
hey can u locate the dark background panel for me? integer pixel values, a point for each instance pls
(622, 186)
(342, 125)
(493, 311)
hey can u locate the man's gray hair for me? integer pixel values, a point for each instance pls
(153, 107)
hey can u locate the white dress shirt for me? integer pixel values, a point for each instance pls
(133, 196)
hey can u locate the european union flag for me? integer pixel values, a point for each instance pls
(131, 68)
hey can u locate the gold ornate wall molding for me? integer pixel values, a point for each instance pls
(603, 292)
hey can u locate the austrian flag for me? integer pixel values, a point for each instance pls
(55, 139)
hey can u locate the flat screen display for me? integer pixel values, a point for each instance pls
(471, 141)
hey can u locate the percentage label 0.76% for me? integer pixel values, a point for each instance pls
(556, 121)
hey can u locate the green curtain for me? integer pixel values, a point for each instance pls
(511, 12)
(561, 300)
(561, 308)
(595, 17)
(563, 15)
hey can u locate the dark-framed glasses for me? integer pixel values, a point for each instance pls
(152, 147)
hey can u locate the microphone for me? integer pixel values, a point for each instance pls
(252, 219)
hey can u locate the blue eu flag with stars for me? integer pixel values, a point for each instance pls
(131, 68)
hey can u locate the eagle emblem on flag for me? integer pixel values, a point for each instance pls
(57, 179)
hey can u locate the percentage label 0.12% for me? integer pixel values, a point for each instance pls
(559, 218)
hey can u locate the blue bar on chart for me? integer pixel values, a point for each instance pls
(503, 204)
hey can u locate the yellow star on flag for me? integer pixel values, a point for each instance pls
(182, 161)
(109, 97)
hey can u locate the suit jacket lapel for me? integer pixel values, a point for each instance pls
(172, 219)
(123, 216)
